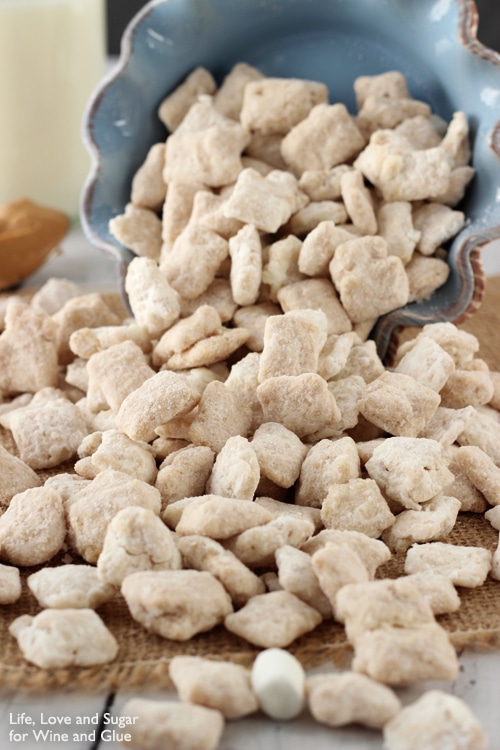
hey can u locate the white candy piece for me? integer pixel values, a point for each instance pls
(278, 681)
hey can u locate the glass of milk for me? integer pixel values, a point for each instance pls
(52, 54)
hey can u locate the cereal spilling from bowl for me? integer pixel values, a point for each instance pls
(242, 450)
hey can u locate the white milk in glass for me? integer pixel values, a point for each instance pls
(52, 55)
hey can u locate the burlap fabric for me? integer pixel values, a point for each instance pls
(143, 659)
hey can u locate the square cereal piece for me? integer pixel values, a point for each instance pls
(10, 584)
(306, 329)
(221, 517)
(139, 229)
(362, 360)
(253, 318)
(382, 112)
(357, 505)
(112, 449)
(54, 294)
(347, 393)
(302, 403)
(257, 623)
(319, 246)
(176, 105)
(296, 575)
(281, 268)
(16, 477)
(323, 184)
(432, 522)
(148, 187)
(152, 299)
(459, 180)
(395, 225)
(273, 106)
(427, 363)
(326, 137)
(236, 471)
(464, 566)
(409, 470)
(436, 224)
(334, 355)
(114, 373)
(177, 211)
(205, 148)
(218, 294)
(390, 85)
(328, 463)
(471, 499)
(208, 210)
(86, 311)
(307, 218)
(266, 148)
(280, 453)
(481, 470)
(195, 259)
(468, 385)
(245, 251)
(337, 565)
(371, 552)
(256, 547)
(438, 591)
(398, 404)
(460, 345)
(455, 142)
(420, 131)
(88, 341)
(281, 507)
(370, 282)
(316, 294)
(358, 202)
(228, 98)
(483, 429)
(260, 201)
(447, 424)
(425, 275)
(204, 322)
(209, 351)
(220, 415)
(184, 473)
(242, 381)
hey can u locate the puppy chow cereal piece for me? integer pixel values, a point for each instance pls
(434, 721)
(469, 385)
(460, 345)
(221, 517)
(246, 265)
(323, 184)
(28, 349)
(87, 341)
(10, 584)
(236, 470)
(172, 724)
(316, 294)
(86, 311)
(420, 131)
(281, 268)
(48, 433)
(336, 565)
(208, 210)
(220, 415)
(372, 552)
(427, 363)
(273, 106)
(481, 470)
(483, 430)
(462, 488)
(369, 281)
(136, 539)
(493, 516)
(228, 98)
(242, 381)
(176, 604)
(363, 361)
(455, 142)
(117, 451)
(447, 424)
(256, 547)
(206, 148)
(328, 463)
(306, 219)
(433, 521)
(210, 350)
(357, 505)
(395, 225)
(319, 247)
(33, 528)
(437, 590)
(382, 112)
(61, 638)
(153, 301)
(459, 180)
(306, 330)
(253, 318)
(54, 294)
(464, 566)
(70, 587)
(220, 685)
(334, 355)
(409, 470)
(398, 404)
(177, 210)
(328, 136)
(94, 505)
(148, 187)
(400, 172)
(203, 553)
(266, 148)
(204, 322)
(391, 85)
(358, 202)
(114, 374)
(260, 201)
(184, 473)
(347, 698)
(176, 105)
(16, 475)
(159, 399)
(279, 452)
(296, 575)
(195, 258)
(258, 624)
(138, 229)
(281, 507)
(301, 403)
(436, 224)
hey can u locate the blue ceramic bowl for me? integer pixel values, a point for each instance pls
(433, 42)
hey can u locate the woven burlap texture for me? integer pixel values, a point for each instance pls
(143, 659)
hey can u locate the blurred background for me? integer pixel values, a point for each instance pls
(121, 11)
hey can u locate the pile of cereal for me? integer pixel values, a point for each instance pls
(244, 457)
